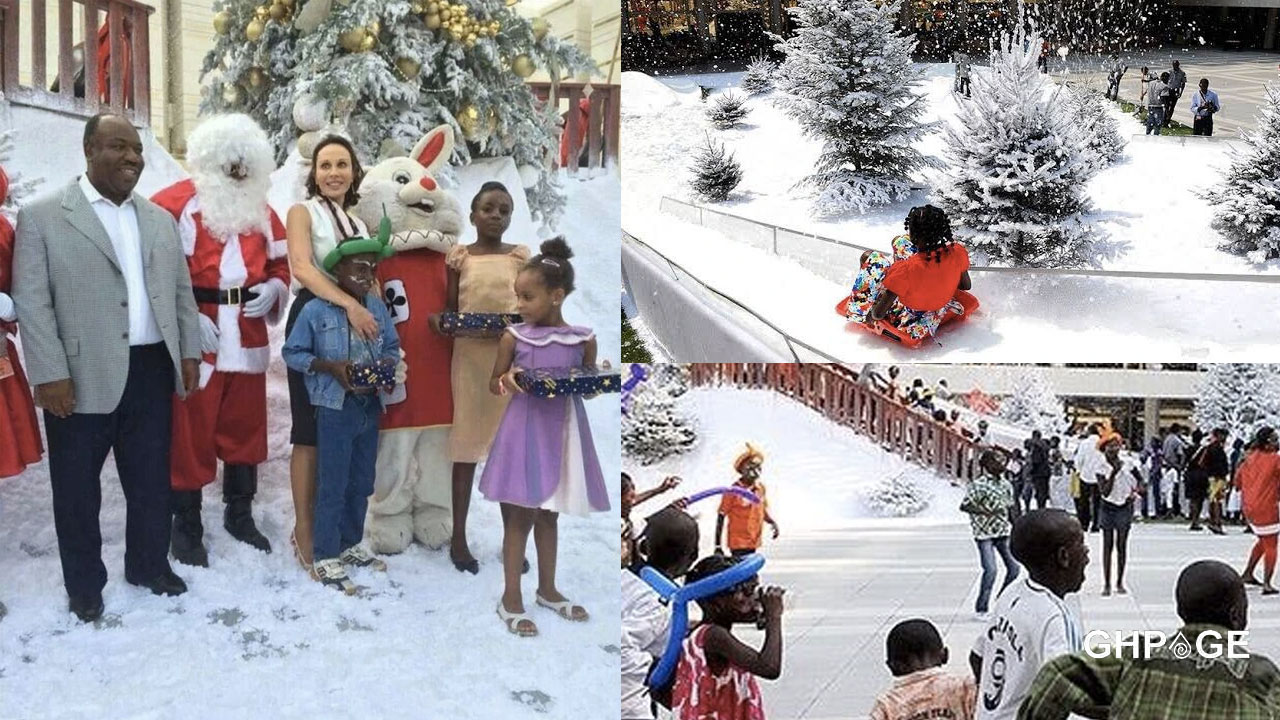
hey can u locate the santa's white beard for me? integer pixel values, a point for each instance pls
(231, 208)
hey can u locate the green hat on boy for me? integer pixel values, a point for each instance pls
(379, 245)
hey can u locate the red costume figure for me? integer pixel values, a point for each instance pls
(19, 433)
(235, 248)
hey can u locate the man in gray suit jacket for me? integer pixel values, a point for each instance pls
(109, 332)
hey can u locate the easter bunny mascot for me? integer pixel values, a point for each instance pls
(411, 496)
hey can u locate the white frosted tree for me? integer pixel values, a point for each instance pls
(1015, 188)
(848, 80)
(654, 426)
(1247, 202)
(386, 71)
(1098, 129)
(1033, 405)
(1240, 397)
(20, 187)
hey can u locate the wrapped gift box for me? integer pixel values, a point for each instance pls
(372, 375)
(476, 324)
(553, 382)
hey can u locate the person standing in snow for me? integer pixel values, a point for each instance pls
(1116, 73)
(963, 67)
(1143, 82)
(235, 248)
(110, 332)
(1158, 94)
(745, 519)
(1177, 83)
(1204, 105)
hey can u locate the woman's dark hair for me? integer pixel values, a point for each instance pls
(491, 185)
(357, 173)
(929, 230)
(552, 265)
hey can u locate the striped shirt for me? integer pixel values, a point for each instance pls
(1163, 686)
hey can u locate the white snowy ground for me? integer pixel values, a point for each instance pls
(816, 471)
(1147, 213)
(255, 637)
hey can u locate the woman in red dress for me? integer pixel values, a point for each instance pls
(19, 434)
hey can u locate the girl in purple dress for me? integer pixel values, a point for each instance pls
(543, 461)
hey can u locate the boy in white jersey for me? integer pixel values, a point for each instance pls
(1031, 624)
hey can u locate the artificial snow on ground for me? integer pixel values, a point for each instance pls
(255, 637)
(1147, 214)
(817, 472)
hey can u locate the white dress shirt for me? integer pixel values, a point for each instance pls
(121, 224)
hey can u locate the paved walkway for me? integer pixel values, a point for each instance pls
(1239, 78)
(848, 587)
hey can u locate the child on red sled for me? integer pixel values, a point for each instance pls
(914, 288)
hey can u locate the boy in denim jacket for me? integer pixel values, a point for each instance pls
(343, 373)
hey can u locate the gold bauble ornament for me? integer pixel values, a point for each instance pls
(254, 29)
(408, 67)
(257, 77)
(262, 13)
(453, 34)
(352, 39)
(540, 28)
(231, 94)
(470, 39)
(367, 44)
(446, 13)
(433, 6)
(433, 22)
(222, 22)
(375, 28)
(523, 66)
(278, 11)
(417, 8)
(468, 119)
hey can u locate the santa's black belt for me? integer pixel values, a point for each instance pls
(230, 296)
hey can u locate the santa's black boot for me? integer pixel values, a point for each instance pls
(239, 485)
(187, 539)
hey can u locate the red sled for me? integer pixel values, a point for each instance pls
(894, 333)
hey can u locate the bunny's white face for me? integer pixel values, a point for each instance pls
(423, 215)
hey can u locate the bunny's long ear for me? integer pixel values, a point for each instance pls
(434, 149)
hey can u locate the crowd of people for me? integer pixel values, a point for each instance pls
(144, 332)
(1159, 93)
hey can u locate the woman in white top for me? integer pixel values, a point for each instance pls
(1119, 482)
(314, 228)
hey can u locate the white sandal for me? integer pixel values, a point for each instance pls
(564, 608)
(513, 621)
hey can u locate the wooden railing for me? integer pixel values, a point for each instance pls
(128, 86)
(835, 392)
(603, 122)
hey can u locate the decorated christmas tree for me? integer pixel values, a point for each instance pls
(1240, 397)
(385, 71)
(1015, 189)
(849, 82)
(654, 426)
(1247, 203)
(1032, 405)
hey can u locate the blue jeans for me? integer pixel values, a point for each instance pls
(1155, 119)
(987, 549)
(346, 456)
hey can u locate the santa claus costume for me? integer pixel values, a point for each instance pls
(235, 248)
(19, 434)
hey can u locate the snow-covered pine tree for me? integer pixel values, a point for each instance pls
(848, 80)
(1015, 188)
(899, 496)
(727, 110)
(20, 187)
(1033, 405)
(1247, 203)
(673, 377)
(715, 172)
(654, 426)
(390, 70)
(1240, 397)
(1098, 128)
(758, 79)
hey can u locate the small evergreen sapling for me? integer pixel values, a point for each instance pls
(727, 111)
(758, 79)
(715, 172)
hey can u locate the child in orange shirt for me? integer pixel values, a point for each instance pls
(746, 519)
(921, 688)
(914, 288)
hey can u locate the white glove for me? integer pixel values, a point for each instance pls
(208, 334)
(402, 369)
(7, 311)
(268, 294)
